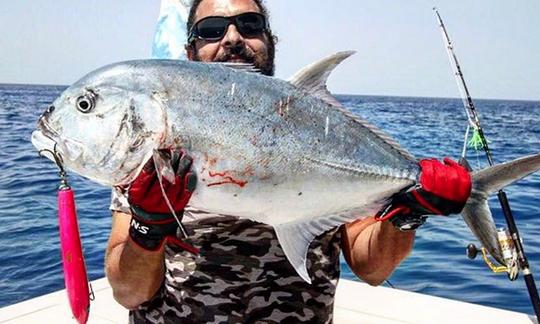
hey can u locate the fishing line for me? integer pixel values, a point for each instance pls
(169, 205)
(390, 284)
(159, 174)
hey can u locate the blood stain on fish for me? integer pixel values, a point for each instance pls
(227, 179)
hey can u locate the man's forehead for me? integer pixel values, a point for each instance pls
(224, 8)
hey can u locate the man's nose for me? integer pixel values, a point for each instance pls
(232, 37)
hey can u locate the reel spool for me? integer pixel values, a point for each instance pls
(509, 254)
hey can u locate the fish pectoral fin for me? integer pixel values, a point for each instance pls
(313, 77)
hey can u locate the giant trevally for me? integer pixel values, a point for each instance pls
(283, 153)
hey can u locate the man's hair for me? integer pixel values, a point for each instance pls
(272, 39)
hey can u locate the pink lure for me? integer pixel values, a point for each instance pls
(72, 257)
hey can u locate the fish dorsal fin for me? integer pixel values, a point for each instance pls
(313, 77)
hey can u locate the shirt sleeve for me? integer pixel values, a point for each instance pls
(119, 201)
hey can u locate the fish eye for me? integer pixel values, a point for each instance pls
(85, 103)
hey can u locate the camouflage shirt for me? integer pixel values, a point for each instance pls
(240, 276)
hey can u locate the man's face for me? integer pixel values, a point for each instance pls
(233, 47)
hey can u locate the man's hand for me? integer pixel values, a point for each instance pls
(443, 189)
(152, 219)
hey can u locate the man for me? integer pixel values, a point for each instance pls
(233, 270)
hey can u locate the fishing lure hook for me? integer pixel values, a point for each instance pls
(59, 161)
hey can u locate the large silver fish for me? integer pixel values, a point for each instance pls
(282, 153)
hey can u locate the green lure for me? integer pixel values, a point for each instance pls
(475, 142)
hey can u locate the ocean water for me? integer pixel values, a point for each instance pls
(30, 263)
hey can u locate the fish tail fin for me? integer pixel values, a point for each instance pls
(487, 181)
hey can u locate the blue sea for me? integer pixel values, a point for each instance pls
(30, 262)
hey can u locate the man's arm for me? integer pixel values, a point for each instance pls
(374, 249)
(135, 274)
(134, 261)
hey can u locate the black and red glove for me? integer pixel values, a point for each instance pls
(442, 189)
(152, 221)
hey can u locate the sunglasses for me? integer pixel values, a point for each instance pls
(213, 28)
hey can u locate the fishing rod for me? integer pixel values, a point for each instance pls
(509, 239)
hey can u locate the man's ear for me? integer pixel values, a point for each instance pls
(190, 52)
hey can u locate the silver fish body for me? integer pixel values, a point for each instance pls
(264, 149)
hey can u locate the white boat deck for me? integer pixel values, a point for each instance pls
(355, 303)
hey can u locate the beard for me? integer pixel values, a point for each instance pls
(264, 62)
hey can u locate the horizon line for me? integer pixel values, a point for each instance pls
(335, 94)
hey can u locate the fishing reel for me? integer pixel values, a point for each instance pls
(509, 253)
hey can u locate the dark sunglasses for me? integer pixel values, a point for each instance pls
(213, 28)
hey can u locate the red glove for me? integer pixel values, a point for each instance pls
(152, 220)
(145, 191)
(443, 189)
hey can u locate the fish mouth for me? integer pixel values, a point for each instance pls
(46, 130)
(46, 138)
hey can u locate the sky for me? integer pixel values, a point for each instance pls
(399, 48)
